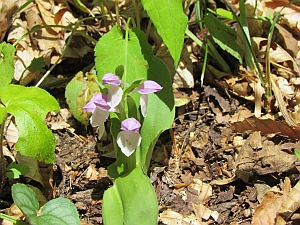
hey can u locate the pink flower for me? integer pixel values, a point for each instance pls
(100, 112)
(129, 138)
(115, 92)
(147, 87)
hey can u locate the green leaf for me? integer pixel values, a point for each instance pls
(59, 211)
(113, 50)
(170, 21)
(130, 201)
(161, 110)
(29, 106)
(15, 170)
(224, 36)
(2, 113)
(79, 91)
(37, 64)
(7, 55)
(25, 199)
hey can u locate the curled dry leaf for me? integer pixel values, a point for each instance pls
(290, 12)
(204, 190)
(170, 217)
(262, 159)
(205, 213)
(267, 126)
(276, 54)
(266, 212)
(289, 206)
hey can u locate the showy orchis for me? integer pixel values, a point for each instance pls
(101, 104)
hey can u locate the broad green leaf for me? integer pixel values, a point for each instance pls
(59, 211)
(7, 55)
(78, 92)
(160, 114)
(32, 99)
(113, 50)
(29, 106)
(130, 201)
(15, 170)
(224, 36)
(25, 199)
(161, 110)
(170, 21)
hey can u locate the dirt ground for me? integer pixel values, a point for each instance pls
(201, 163)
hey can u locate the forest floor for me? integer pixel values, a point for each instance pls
(218, 164)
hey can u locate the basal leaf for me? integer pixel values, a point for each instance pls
(113, 50)
(25, 199)
(59, 211)
(78, 92)
(161, 110)
(33, 99)
(29, 106)
(170, 21)
(160, 113)
(6, 64)
(131, 200)
(223, 35)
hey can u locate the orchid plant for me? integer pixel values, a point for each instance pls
(132, 88)
(101, 104)
(133, 92)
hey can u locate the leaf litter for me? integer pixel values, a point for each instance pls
(215, 166)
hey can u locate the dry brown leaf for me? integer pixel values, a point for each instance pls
(182, 76)
(205, 213)
(266, 212)
(291, 12)
(289, 206)
(204, 190)
(7, 9)
(240, 115)
(169, 217)
(276, 54)
(92, 173)
(268, 159)
(267, 126)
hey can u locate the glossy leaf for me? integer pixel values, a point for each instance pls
(6, 64)
(29, 106)
(130, 201)
(170, 21)
(79, 91)
(113, 51)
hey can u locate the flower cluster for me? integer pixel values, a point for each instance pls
(100, 105)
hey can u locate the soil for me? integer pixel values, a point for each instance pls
(199, 148)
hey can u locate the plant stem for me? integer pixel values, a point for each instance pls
(268, 70)
(2, 161)
(137, 14)
(11, 219)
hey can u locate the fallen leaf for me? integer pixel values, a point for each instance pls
(267, 126)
